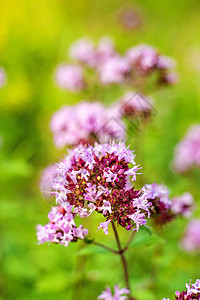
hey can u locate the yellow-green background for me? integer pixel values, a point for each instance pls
(34, 38)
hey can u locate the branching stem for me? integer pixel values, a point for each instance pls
(105, 247)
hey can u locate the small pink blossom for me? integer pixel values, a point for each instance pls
(187, 152)
(134, 104)
(61, 228)
(191, 238)
(83, 51)
(183, 205)
(70, 77)
(142, 57)
(104, 226)
(114, 70)
(119, 294)
(105, 51)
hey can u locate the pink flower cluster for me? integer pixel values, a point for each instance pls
(134, 105)
(61, 228)
(192, 292)
(96, 178)
(145, 59)
(85, 52)
(187, 152)
(2, 77)
(165, 209)
(119, 294)
(85, 123)
(111, 67)
(191, 238)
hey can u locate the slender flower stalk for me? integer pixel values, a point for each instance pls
(105, 247)
(123, 259)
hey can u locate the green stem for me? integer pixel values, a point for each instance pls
(105, 247)
(121, 253)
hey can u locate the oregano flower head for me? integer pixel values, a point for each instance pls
(97, 178)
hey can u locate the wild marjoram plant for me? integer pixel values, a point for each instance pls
(97, 177)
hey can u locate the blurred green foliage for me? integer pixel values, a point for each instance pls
(34, 38)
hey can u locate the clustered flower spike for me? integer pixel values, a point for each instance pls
(191, 238)
(96, 178)
(187, 152)
(165, 209)
(112, 68)
(61, 228)
(192, 292)
(119, 294)
(85, 123)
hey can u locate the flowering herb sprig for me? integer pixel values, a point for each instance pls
(96, 178)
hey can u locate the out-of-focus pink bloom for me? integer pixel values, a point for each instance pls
(183, 205)
(70, 77)
(143, 58)
(2, 77)
(114, 70)
(46, 180)
(61, 228)
(119, 294)
(187, 152)
(169, 78)
(165, 62)
(105, 51)
(83, 51)
(84, 123)
(191, 238)
(134, 104)
(130, 18)
(165, 209)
